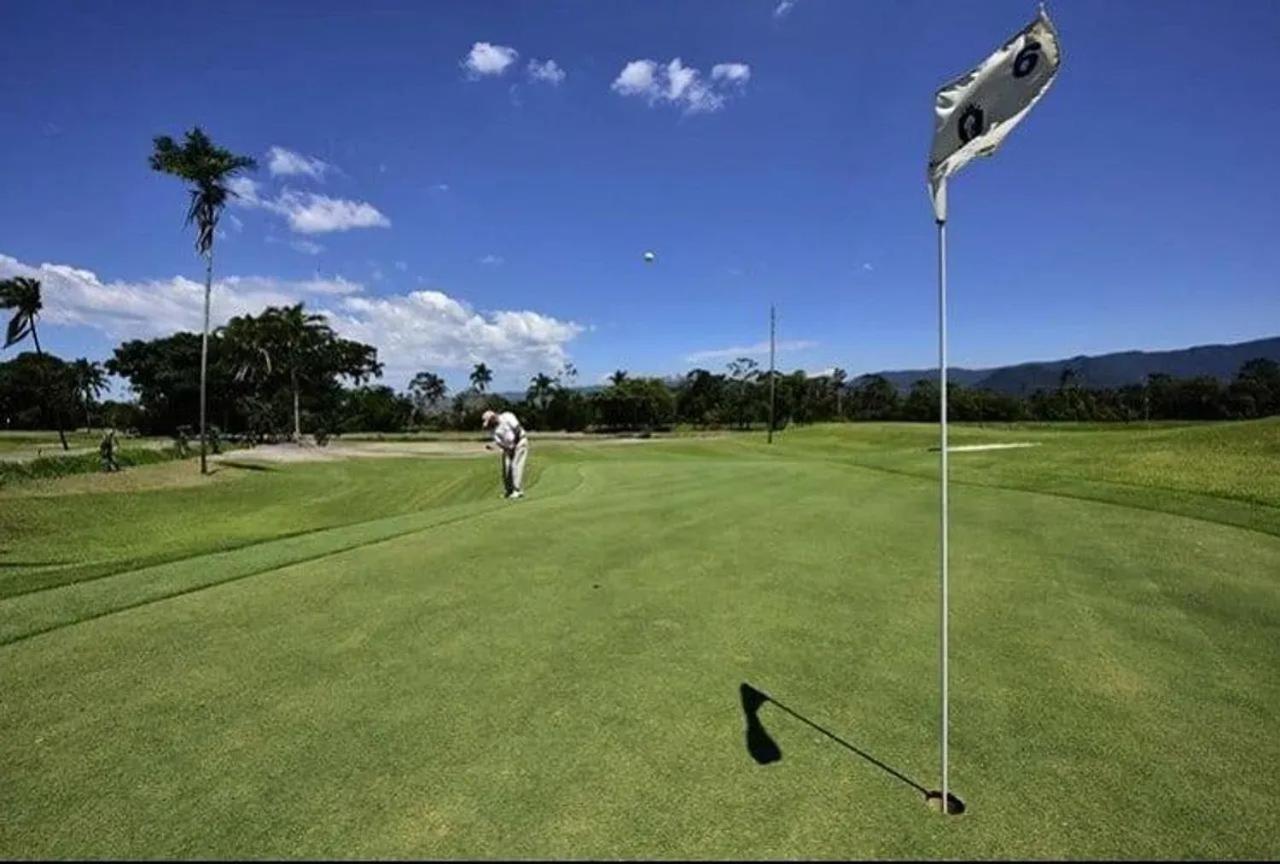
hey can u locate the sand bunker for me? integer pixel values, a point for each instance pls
(970, 448)
(284, 453)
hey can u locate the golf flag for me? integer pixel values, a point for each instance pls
(976, 111)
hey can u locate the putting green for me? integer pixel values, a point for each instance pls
(381, 658)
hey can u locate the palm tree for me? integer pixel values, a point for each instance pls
(743, 369)
(22, 295)
(428, 389)
(540, 387)
(481, 377)
(89, 380)
(209, 169)
(618, 377)
(281, 341)
(838, 377)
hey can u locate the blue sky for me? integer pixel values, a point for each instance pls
(1133, 208)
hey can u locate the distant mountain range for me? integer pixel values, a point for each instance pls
(1103, 370)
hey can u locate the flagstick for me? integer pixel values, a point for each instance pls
(942, 398)
(1033, 69)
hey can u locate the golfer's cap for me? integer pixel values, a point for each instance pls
(486, 417)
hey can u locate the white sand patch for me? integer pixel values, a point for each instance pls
(970, 448)
(278, 453)
(366, 449)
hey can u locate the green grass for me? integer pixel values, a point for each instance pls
(64, 539)
(58, 465)
(380, 658)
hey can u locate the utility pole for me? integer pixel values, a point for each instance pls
(773, 326)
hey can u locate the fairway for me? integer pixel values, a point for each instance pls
(383, 658)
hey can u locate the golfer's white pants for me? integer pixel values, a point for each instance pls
(513, 466)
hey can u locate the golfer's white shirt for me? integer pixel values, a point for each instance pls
(507, 431)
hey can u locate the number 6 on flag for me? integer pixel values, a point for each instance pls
(975, 112)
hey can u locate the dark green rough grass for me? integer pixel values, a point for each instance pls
(57, 465)
(557, 677)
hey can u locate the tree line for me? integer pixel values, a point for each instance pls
(283, 371)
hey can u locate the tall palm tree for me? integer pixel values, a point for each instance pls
(428, 390)
(838, 377)
(481, 377)
(208, 168)
(540, 387)
(618, 377)
(22, 295)
(89, 380)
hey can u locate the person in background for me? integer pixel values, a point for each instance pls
(510, 438)
(107, 451)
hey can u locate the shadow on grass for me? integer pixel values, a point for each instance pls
(244, 466)
(765, 750)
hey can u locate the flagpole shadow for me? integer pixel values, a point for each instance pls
(764, 750)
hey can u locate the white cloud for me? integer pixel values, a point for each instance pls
(401, 266)
(492, 260)
(866, 265)
(309, 213)
(430, 328)
(235, 222)
(307, 246)
(282, 162)
(488, 59)
(245, 191)
(414, 330)
(783, 9)
(441, 187)
(738, 73)
(749, 350)
(637, 78)
(682, 85)
(548, 72)
(679, 79)
(126, 310)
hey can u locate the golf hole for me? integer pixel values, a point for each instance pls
(954, 805)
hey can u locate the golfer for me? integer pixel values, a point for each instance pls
(510, 437)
